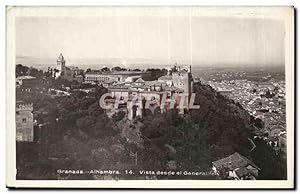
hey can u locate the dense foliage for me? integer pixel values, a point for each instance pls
(154, 74)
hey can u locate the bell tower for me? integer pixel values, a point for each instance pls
(61, 67)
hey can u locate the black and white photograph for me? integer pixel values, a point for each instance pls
(158, 97)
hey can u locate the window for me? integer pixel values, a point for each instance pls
(24, 120)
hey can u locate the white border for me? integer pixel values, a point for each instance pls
(284, 13)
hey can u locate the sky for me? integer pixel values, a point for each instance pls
(198, 41)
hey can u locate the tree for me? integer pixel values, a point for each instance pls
(35, 72)
(272, 165)
(154, 74)
(96, 127)
(61, 82)
(118, 116)
(99, 91)
(105, 69)
(95, 109)
(21, 70)
(117, 69)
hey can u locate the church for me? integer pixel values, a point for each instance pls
(69, 73)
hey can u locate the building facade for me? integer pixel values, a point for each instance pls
(24, 123)
(26, 82)
(110, 77)
(171, 86)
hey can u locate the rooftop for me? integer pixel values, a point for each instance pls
(117, 73)
(233, 161)
(25, 77)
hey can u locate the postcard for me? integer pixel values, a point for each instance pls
(150, 97)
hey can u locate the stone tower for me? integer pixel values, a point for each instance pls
(183, 79)
(61, 65)
(24, 122)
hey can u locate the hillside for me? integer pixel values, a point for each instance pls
(78, 135)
